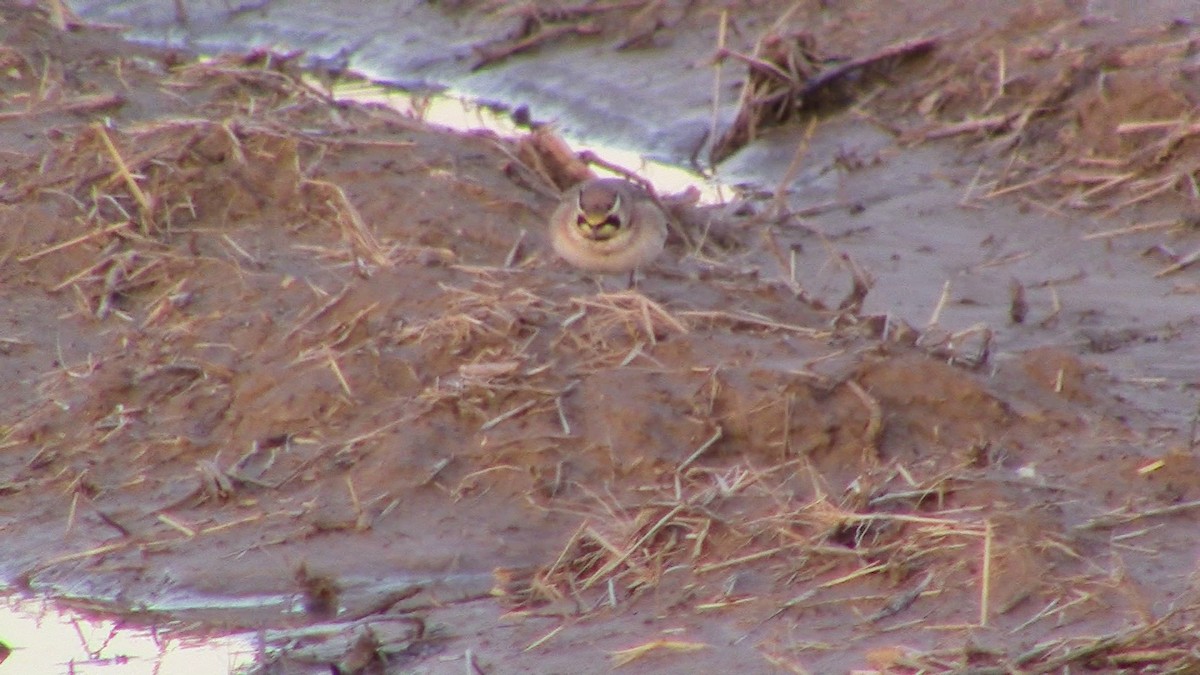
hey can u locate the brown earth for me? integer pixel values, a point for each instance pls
(260, 344)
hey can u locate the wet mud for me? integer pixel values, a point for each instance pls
(305, 369)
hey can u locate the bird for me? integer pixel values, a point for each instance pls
(608, 225)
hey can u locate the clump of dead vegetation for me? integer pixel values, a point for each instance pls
(787, 81)
(899, 550)
(1076, 126)
(1065, 126)
(529, 25)
(156, 179)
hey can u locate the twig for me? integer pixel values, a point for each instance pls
(1116, 518)
(507, 415)
(143, 202)
(754, 320)
(750, 557)
(1180, 264)
(901, 50)
(902, 601)
(337, 372)
(700, 451)
(1133, 229)
(624, 657)
(992, 123)
(874, 419)
(317, 313)
(493, 53)
(936, 316)
(779, 202)
(718, 65)
(353, 226)
(515, 250)
(72, 242)
(985, 585)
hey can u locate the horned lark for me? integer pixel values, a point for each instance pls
(608, 225)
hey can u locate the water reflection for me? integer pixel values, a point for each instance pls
(43, 636)
(456, 112)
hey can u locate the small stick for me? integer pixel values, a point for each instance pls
(648, 323)
(700, 451)
(941, 304)
(967, 193)
(1046, 175)
(562, 416)
(140, 197)
(991, 123)
(360, 517)
(750, 557)
(1109, 182)
(754, 320)
(755, 63)
(235, 145)
(874, 418)
(860, 287)
(714, 118)
(623, 657)
(489, 54)
(318, 312)
(72, 242)
(1001, 78)
(172, 522)
(507, 415)
(905, 518)
(915, 47)
(1167, 184)
(99, 550)
(1155, 125)
(353, 226)
(239, 250)
(1055, 308)
(1007, 259)
(633, 354)
(779, 201)
(71, 512)
(337, 372)
(80, 104)
(1140, 227)
(902, 601)
(986, 584)
(1192, 430)
(58, 16)
(1183, 262)
(511, 258)
(862, 572)
(1114, 519)
(544, 639)
(787, 425)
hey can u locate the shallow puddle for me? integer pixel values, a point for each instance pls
(459, 113)
(42, 636)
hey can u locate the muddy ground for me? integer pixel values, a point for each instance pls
(260, 344)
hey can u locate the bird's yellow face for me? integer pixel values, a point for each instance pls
(598, 221)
